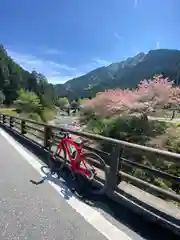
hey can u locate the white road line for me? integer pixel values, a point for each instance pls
(88, 213)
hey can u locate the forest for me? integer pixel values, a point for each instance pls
(27, 92)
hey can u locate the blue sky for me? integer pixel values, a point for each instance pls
(66, 38)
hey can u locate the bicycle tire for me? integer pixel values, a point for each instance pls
(91, 155)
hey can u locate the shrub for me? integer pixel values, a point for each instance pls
(86, 114)
(62, 103)
(32, 116)
(47, 114)
(28, 102)
(127, 128)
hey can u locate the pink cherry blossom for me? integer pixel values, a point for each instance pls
(150, 94)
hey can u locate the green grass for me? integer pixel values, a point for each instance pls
(9, 111)
(46, 115)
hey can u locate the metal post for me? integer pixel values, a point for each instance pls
(114, 169)
(11, 122)
(23, 125)
(3, 119)
(47, 135)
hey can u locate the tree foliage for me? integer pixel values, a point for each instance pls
(62, 103)
(2, 97)
(150, 95)
(13, 77)
(28, 102)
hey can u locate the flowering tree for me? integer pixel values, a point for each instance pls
(175, 97)
(111, 102)
(153, 94)
(150, 94)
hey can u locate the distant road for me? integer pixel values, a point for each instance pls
(68, 120)
(175, 120)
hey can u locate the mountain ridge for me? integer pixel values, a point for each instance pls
(123, 74)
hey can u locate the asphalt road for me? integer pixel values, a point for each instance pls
(29, 211)
(50, 210)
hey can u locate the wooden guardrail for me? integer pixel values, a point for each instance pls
(115, 159)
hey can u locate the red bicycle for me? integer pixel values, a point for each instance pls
(71, 152)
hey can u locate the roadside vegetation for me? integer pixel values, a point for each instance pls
(123, 114)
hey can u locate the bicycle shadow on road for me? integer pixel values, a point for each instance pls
(68, 186)
(52, 179)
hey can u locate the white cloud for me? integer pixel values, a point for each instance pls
(135, 3)
(55, 79)
(101, 62)
(62, 66)
(157, 45)
(52, 51)
(117, 36)
(54, 72)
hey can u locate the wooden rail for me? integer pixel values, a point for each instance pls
(115, 159)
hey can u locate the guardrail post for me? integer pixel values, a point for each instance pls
(114, 168)
(11, 122)
(3, 119)
(23, 125)
(47, 135)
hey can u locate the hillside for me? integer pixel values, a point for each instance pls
(13, 77)
(125, 74)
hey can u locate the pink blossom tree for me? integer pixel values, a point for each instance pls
(174, 99)
(153, 94)
(112, 102)
(150, 95)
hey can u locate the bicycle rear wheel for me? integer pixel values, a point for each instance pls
(95, 184)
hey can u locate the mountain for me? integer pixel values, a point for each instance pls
(13, 77)
(124, 74)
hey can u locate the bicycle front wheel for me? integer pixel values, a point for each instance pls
(97, 179)
(60, 156)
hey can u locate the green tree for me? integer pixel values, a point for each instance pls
(2, 97)
(28, 102)
(13, 77)
(44, 90)
(63, 103)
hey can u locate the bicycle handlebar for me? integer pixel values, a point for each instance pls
(65, 134)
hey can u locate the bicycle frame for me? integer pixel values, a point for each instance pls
(74, 163)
